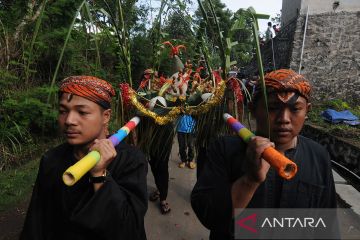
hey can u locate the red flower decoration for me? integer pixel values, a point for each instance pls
(199, 69)
(235, 86)
(144, 83)
(175, 50)
(217, 76)
(125, 93)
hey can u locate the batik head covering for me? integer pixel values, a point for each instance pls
(91, 88)
(285, 83)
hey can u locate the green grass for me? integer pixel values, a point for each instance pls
(17, 181)
(17, 184)
(340, 130)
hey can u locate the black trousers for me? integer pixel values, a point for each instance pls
(159, 158)
(160, 169)
(186, 146)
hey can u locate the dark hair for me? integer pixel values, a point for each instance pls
(269, 24)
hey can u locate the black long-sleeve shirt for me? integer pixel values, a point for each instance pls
(115, 211)
(312, 187)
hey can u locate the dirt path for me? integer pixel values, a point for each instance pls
(11, 221)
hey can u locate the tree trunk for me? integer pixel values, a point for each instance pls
(29, 18)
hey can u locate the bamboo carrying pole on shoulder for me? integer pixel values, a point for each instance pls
(285, 167)
(79, 169)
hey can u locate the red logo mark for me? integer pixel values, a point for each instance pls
(252, 219)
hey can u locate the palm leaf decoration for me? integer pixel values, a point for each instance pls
(255, 28)
(225, 46)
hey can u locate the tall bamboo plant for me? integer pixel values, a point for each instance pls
(206, 23)
(87, 15)
(204, 134)
(222, 45)
(123, 40)
(84, 4)
(255, 27)
(225, 45)
(250, 14)
(30, 51)
(156, 35)
(63, 49)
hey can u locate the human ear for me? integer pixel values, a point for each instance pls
(308, 108)
(107, 116)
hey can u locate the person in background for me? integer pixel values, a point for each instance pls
(250, 83)
(108, 202)
(276, 30)
(160, 146)
(185, 129)
(235, 176)
(233, 71)
(268, 32)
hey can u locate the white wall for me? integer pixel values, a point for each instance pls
(290, 9)
(325, 6)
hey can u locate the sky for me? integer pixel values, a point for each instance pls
(270, 7)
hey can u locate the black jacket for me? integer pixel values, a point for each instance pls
(312, 187)
(115, 211)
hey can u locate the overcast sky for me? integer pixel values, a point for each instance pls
(270, 7)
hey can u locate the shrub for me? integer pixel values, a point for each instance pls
(12, 139)
(338, 105)
(7, 80)
(24, 117)
(27, 112)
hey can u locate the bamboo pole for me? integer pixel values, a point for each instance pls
(303, 43)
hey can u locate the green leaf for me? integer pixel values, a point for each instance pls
(239, 24)
(262, 16)
(64, 47)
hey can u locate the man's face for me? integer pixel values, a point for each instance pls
(285, 119)
(81, 120)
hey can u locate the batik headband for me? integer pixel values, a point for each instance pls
(91, 88)
(286, 83)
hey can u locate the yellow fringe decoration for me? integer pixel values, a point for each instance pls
(213, 101)
(176, 111)
(161, 120)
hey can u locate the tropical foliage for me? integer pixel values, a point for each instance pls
(42, 42)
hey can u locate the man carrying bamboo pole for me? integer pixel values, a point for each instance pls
(235, 175)
(110, 201)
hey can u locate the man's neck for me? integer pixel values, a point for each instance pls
(81, 151)
(283, 147)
